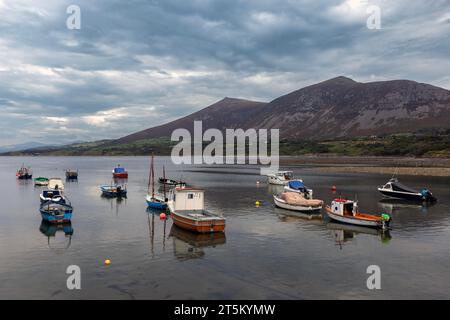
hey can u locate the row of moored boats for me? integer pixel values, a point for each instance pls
(297, 197)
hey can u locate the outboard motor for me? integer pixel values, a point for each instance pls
(427, 195)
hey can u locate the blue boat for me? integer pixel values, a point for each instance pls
(299, 187)
(114, 191)
(155, 201)
(54, 212)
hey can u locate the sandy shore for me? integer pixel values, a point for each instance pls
(377, 165)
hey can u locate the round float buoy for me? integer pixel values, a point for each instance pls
(333, 188)
(257, 203)
(257, 182)
(107, 262)
(163, 216)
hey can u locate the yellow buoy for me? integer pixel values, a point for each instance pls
(257, 203)
(107, 262)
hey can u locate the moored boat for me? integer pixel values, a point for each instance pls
(299, 187)
(114, 190)
(54, 212)
(172, 182)
(71, 174)
(41, 182)
(120, 172)
(154, 200)
(54, 191)
(188, 212)
(297, 202)
(280, 178)
(24, 173)
(394, 189)
(346, 211)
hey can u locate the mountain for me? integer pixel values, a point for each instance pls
(336, 108)
(227, 113)
(21, 146)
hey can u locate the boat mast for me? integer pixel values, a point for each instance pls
(149, 177)
(153, 178)
(164, 185)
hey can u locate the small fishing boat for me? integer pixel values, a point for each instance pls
(172, 182)
(188, 212)
(54, 212)
(71, 174)
(346, 211)
(120, 172)
(299, 187)
(24, 173)
(54, 191)
(297, 202)
(394, 189)
(280, 178)
(41, 182)
(114, 190)
(155, 201)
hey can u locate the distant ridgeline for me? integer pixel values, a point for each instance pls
(338, 116)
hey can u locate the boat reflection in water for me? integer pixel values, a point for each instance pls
(395, 205)
(188, 245)
(152, 213)
(53, 233)
(343, 233)
(115, 203)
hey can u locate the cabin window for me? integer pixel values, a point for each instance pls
(190, 196)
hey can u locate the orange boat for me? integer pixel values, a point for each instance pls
(188, 212)
(346, 211)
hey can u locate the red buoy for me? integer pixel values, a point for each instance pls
(162, 216)
(333, 188)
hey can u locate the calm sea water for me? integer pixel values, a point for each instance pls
(264, 254)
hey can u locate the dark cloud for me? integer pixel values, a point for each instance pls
(142, 63)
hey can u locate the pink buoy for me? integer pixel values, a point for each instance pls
(162, 216)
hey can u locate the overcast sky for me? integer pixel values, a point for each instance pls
(136, 64)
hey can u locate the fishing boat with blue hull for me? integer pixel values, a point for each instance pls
(394, 189)
(54, 212)
(120, 173)
(299, 187)
(114, 191)
(154, 200)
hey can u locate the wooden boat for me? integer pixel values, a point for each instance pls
(394, 189)
(120, 173)
(24, 173)
(346, 211)
(71, 174)
(114, 190)
(280, 178)
(54, 212)
(41, 182)
(188, 212)
(299, 187)
(297, 202)
(154, 200)
(171, 182)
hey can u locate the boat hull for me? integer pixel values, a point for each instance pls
(353, 220)
(56, 213)
(199, 226)
(406, 196)
(156, 205)
(282, 204)
(25, 177)
(120, 175)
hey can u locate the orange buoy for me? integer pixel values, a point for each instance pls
(107, 262)
(163, 216)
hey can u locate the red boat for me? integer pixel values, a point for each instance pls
(120, 172)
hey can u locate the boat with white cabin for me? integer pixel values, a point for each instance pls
(280, 178)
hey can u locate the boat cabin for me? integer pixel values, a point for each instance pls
(49, 194)
(119, 169)
(188, 199)
(344, 207)
(285, 175)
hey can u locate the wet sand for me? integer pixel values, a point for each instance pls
(437, 167)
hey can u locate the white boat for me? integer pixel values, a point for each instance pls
(280, 178)
(346, 211)
(296, 202)
(54, 192)
(188, 212)
(299, 187)
(55, 184)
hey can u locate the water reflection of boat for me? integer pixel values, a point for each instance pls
(343, 233)
(188, 245)
(51, 231)
(393, 205)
